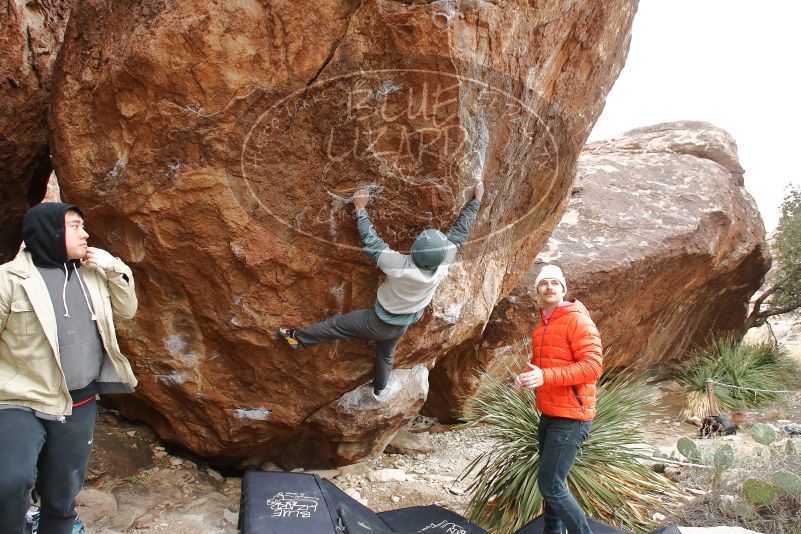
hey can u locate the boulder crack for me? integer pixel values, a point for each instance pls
(331, 52)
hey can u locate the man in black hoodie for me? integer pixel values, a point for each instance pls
(58, 350)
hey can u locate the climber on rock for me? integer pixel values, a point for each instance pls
(411, 281)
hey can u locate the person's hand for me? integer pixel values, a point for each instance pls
(530, 379)
(99, 257)
(361, 198)
(478, 191)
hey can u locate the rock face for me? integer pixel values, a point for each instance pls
(215, 147)
(355, 426)
(660, 241)
(30, 37)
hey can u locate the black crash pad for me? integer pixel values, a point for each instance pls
(302, 503)
(298, 503)
(429, 519)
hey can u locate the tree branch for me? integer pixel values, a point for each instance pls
(770, 312)
(768, 292)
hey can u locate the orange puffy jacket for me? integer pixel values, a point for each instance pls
(568, 350)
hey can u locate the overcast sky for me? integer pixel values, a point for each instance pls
(734, 63)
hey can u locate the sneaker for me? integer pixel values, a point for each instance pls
(32, 522)
(289, 335)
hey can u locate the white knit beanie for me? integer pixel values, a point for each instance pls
(551, 271)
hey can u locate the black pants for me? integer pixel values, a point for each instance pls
(560, 440)
(360, 324)
(49, 454)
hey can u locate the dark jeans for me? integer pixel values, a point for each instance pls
(364, 325)
(560, 440)
(50, 454)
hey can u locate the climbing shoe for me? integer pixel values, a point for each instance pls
(289, 336)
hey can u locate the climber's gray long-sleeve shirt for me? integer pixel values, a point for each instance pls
(408, 289)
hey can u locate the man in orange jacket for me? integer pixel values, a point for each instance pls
(566, 361)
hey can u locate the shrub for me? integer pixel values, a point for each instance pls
(764, 367)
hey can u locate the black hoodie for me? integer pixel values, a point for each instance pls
(80, 347)
(43, 233)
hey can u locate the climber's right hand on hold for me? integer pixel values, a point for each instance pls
(361, 198)
(478, 191)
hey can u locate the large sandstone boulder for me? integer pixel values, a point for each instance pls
(660, 241)
(216, 146)
(30, 37)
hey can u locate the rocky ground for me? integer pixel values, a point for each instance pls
(136, 485)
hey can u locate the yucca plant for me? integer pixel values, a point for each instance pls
(610, 479)
(762, 367)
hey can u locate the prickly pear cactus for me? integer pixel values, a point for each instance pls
(744, 510)
(788, 482)
(761, 452)
(688, 449)
(724, 458)
(759, 493)
(764, 434)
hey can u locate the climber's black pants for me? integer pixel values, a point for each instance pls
(364, 325)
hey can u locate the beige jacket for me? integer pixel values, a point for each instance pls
(30, 368)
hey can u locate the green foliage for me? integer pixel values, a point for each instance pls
(788, 253)
(744, 510)
(610, 478)
(762, 452)
(688, 449)
(788, 482)
(783, 291)
(759, 493)
(764, 434)
(721, 460)
(764, 366)
(724, 458)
